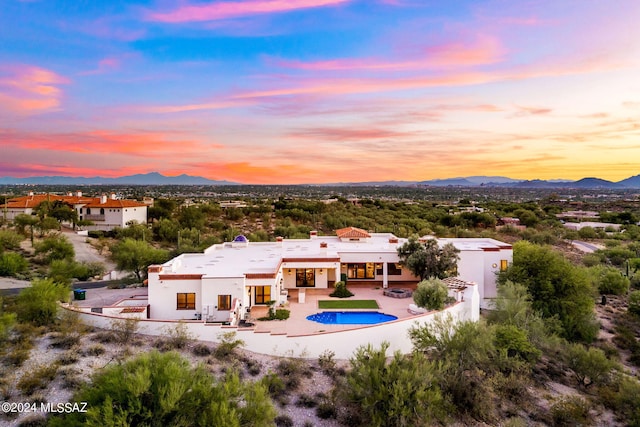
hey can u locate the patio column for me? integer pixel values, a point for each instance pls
(385, 276)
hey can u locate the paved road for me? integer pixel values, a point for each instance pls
(585, 247)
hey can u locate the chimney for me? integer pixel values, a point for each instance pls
(30, 193)
(113, 196)
(279, 240)
(422, 240)
(103, 199)
(323, 247)
(79, 194)
(70, 194)
(313, 234)
(393, 240)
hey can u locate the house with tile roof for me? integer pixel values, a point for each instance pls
(106, 213)
(226, 280)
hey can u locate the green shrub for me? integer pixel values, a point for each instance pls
(377, 389)
(341, 291)
(38, 304)
(274, 384)
(634, 302)
(282, 314)
(164, 389)
(123, 330)
(571, 411)
(590, 366)
(9, 240)
(227, 346)
(12, 263)
(609, 280)
(431, 294)
(175, 338)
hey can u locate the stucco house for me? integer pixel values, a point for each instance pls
(105, 212)
(226, 280)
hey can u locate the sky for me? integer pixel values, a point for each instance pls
(320, 91)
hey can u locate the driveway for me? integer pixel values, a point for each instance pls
(85, 252)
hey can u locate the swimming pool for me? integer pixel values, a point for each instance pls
(350, 317)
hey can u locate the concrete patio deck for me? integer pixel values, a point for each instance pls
(297, 324)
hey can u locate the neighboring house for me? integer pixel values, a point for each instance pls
(105, 212)
(227, 279)
(595, 225)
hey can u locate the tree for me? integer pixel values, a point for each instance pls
(590, 366)
(431, 294)
(23, 220)
(54, 247)
(162, 389)
(401, 391)
(557, 288)
(427, 259)
(38, 303)
(136, 256)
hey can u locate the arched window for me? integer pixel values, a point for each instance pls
(101, 211)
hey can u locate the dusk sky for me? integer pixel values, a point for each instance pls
(316, 91)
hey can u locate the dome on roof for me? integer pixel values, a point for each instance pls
(240, 239)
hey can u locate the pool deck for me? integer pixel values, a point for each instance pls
(297, 324)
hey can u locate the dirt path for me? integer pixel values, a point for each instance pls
(85, 252)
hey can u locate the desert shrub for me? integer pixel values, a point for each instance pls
(71, 378)
(38, 304)
(33, 420)
(590, 366)
(227, 346)
(326, 410)
(292, 370)
(37, 378)
(515, 343)
(591, 260)
(253, 366)
(176, 337)
(306, 401)
(431, 294)
(17, 357)
(341, 291)
(54, 247)
(571, 411)
(624, 398)
(7, 321)
(284, 421)
(69, 357)
(201, 349)
(609, 280)
(327, 362)
(634, 303)
(12, 263)
(164, 389)
(377, 389)
(62, 340)
(123, 330)
(274, 384)
(94, 350)
(9, 240)
(104, 337)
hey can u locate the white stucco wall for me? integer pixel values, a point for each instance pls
(342, 343)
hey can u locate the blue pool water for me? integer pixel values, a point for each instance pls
(350, 317)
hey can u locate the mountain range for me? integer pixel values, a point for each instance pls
(155, 178)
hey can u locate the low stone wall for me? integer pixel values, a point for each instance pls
(342, 343)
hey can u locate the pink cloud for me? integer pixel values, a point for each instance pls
(227, 10)
(484, 50)
(140, 144)
(29, 89)
(105, 65)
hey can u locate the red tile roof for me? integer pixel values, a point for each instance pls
(25, 202)
(352, 233)
(133, 310)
